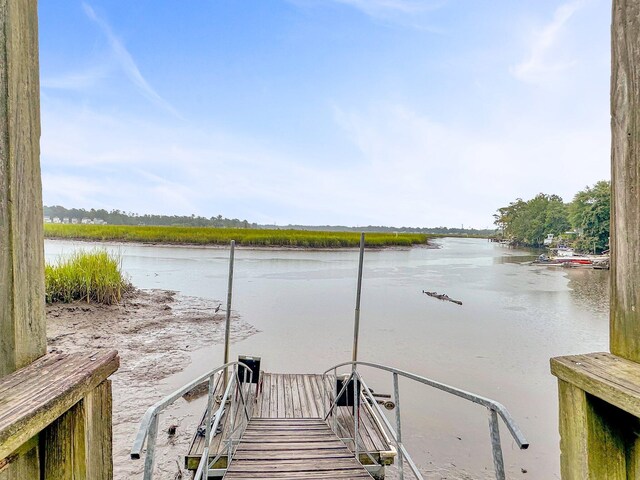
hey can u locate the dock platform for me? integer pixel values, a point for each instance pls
(283, 397)
(292, 448)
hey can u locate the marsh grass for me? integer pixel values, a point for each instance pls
(92, 276)
(222, 236)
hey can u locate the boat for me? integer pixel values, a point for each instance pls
(568, 257)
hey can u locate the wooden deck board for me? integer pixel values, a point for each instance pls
(318, 453)
(288, 405)
(35, 396)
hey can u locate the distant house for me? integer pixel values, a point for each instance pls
(65, 220)
(98, 221)
(74, 221)
(47, 219)
(56, 219)
(86, 221)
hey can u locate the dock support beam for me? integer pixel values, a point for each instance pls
(599, 418)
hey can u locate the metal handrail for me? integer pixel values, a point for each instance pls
(148, 429)
(494, 408)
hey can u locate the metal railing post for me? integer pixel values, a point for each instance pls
(227, 324)
(496, 448)
(396, 393)
(333, 415)
(356, 414)
(495, 410)
(356, 323)
(324, 396)
(151, 448)
(234, 384)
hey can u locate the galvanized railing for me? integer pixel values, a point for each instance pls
(360, 388)
(149, 424)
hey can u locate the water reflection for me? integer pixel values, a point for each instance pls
(590, 289)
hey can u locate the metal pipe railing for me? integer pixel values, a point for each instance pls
(494, 408)
(148, 429)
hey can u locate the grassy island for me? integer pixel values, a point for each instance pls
(222, 236)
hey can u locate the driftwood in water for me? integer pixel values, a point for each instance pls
(442, 296)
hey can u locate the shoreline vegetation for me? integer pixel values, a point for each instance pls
(222, 236)
(118, 217)
(583, 223)
(89, 276)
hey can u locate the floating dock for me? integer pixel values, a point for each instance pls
(292, 448)
(293, 397)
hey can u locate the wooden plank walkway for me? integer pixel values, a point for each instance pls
(301, 396)
(292, 448)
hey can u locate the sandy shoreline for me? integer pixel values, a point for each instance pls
(155, 333)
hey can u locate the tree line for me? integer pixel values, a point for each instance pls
(583, 222)
(118, 217)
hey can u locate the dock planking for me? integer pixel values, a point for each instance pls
(292, 448)
(301, 397)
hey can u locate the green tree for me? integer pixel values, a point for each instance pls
(529, 222)
(590, 212)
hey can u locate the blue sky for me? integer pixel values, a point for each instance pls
(353, 112)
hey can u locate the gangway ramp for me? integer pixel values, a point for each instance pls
(292, 448)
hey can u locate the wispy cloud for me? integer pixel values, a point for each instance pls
(418, 167)
(411, 169)
(127, 63)
(76, 80)
(376, 7)
(540, 66)
(409, 13)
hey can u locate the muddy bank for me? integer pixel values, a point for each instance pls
(155, 332)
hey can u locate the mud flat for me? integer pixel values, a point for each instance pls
(155, 333)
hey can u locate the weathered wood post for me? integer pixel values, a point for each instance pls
(22, 322)
(55, 410)
(625, 185)
(600, 392)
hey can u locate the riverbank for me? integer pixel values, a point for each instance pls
(222, 236)
(155, 332)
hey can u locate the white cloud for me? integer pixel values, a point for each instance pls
(411, 170)
(409, 13)
(542, 64)
(127, 63)
(76, 80)
(445, 174)
(375, 7)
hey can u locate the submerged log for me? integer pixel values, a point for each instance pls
(442, 296)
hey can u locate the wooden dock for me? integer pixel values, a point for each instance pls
(292, 448)
(295, 397)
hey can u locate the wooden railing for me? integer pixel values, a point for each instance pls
(55, 418)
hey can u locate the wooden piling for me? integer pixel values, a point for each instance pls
(22, 320)
(625, 185)
(55, 413)
(600, 392)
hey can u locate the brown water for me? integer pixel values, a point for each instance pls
(498, 344)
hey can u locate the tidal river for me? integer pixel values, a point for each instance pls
(514, 317)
